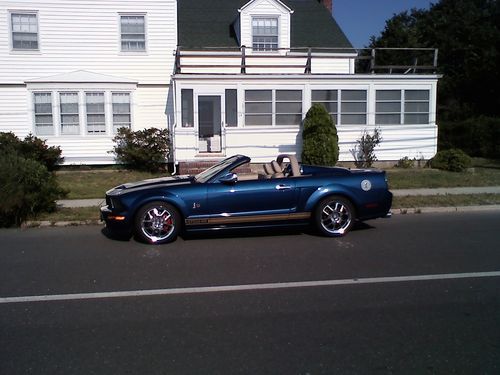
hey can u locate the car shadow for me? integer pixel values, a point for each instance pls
(262, 232)
(238, 233)
(241, 233)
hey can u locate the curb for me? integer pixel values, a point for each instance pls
(431, 210)
(47, 223)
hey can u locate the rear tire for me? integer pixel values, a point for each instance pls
(157, 223)
(334, 216)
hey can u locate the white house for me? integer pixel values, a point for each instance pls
(73, 71)
(248, 71)
(225, 76)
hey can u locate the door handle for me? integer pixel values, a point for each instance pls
(283, 187)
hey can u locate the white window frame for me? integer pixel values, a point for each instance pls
(120, 37)
(51, 114)
(82, 110)
(399, 101)
(402, 104)
(340, 113)
(274, 102)
(266, 17)
(78, 125)
(114, 128)
(11, 13)
(93, 131)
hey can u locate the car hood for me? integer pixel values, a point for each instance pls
(152, 182)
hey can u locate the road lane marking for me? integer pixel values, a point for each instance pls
(247, 287)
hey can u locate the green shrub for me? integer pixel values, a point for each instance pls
(144, 150)
(364, 151)
(320, 143)
(454, 160)
(31, 148)
(478, 136)
(26, 188)
(405, 163)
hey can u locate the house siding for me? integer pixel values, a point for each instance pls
(77, 35)
(263, 143)
(81, 35)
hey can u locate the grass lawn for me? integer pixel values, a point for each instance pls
(433, 178)
(94, 183)
(485, 172)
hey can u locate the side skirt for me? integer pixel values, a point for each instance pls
(247, 220)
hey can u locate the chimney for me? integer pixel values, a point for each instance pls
(327, 4)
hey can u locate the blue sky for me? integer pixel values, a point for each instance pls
(360, 19)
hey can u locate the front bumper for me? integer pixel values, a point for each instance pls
(115, 222)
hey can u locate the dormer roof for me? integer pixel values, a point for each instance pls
(278, 2)
(210, 24)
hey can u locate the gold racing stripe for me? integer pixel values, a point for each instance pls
(248, 219)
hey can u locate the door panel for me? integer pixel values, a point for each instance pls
(253, 197)
(209, 124)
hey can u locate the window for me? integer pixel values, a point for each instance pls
(258, 107)
(402, 107)
(416, 109)
(231, 107)
(265, 34)
(121, 110)
(388, 107)
(94, 106)
(273, 107)
(43, 113)
(288, 107)
(133, 33)
(70, 119)
(187, 108)
(353, 107)
(329, 99)
(24, 31)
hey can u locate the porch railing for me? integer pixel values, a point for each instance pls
(373, 60)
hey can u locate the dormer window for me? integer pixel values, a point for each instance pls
(265, 33)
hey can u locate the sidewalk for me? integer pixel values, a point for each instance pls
(73, 203)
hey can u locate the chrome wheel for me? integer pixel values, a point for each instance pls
(335, 216)
(157, 223)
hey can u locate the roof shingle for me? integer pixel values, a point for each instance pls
(204, 23)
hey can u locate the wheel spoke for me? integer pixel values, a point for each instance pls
(335, 217)
(157, 224)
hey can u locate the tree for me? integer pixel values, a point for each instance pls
(467, 34)
(320, 144)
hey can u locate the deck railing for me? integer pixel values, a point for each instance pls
(374, 60)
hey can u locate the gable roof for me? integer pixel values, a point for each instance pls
(205, 23)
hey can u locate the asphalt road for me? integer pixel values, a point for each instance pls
(416, 294)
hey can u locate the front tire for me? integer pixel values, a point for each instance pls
(334, 216)
(157, 223)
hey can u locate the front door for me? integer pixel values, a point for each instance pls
(271, 196)
(209, 124)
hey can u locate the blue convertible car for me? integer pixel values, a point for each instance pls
(283, 193)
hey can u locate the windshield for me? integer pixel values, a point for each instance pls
(215, 169)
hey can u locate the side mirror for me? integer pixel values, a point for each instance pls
(229, 179)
